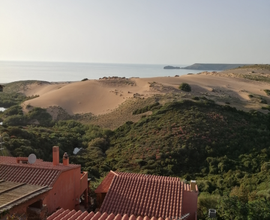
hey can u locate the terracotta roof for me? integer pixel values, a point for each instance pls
(79, 215)
(40, 173)
(30, 175)
(13, 194)
(105, 184)
(38, 164)
(144, 195)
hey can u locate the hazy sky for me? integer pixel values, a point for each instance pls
(136, 31)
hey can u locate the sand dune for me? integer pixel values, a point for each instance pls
(103, 96)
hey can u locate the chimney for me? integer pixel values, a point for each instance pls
(65, 159)
(55, 155)
(193, 185)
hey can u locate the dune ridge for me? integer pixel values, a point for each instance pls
(105, 95)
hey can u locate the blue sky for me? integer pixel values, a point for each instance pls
(136, 31)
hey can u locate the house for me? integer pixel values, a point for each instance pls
(147, 195)
(68, 185)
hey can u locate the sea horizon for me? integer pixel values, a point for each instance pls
(11, 71)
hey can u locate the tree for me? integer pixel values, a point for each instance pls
(231, 208)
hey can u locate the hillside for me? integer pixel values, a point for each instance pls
(213, 66)
(225, 150)
(183, 138)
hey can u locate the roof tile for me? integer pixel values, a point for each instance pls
(75, 215)
(34, 176)
(38, 163)
(65, 214)
(143, 195)
(40, 173)
(89, 216)
(58, 212)
(96, 216)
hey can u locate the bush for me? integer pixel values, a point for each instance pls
(43, 117)
(263, 101)
(265, 167)
(15, 120)
(196, 98)
(267, 91)
(185, 87)
(14, 110)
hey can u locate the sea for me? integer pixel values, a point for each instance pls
(11, 71)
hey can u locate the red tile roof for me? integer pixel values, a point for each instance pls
(143, 195)
(38, 163)
(105, 184)
(79, 215)
(40, 173)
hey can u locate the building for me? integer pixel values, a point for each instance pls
(23, 199)
(147, 195)
(66, 181)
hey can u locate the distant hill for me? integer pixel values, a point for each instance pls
(171, 67)
(213, 66)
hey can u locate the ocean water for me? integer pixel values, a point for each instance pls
(11, 71)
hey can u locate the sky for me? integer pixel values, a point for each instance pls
(135, 31)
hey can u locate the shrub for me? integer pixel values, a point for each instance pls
(263, 101)
(196, 98)
(267, 91)
(43, 117)
(14, 110)
(185, 87)
(152, 107)
(265, 167)
(15, 120)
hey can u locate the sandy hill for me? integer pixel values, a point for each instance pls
(103, 96)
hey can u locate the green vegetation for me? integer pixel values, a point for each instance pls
(227, 151)
(9, 99)
(256, 78)
(257, 98)
(14, 116)
(16, 87)
(21, 141)
(267, 91)
(256, 66)
(185, 87)
(147, 108)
